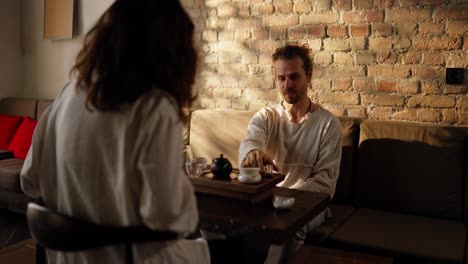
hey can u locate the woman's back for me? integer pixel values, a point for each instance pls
(115, 168)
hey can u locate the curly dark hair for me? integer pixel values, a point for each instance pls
(136, 46)
(290, 51)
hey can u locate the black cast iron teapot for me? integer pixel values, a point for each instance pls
(221, 168)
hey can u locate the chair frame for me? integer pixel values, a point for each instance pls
(61, 232)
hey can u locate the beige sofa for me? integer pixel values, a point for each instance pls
(401, 190)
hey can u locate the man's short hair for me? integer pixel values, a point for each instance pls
(290, 51)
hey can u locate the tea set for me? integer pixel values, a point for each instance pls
(221, 168)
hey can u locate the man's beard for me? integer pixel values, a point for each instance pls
(291, 100)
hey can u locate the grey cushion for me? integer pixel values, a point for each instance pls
(340, 212)
(349, 142)
(412, 168)
(18, 107)
(9, 174)
(410, 235)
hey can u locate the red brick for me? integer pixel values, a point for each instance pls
(244, 11)
(408, 3)
(260, 33)
(364, 58)
(433, 2)
(380, 43)
(227, 11)
(389, 71)
(431, 86)
(386, 57)
(426, 72)
(428, 115)
(345, 72)
(437, 43)
(406, 28)
(362, 4)
(433, 58)
(411, 58)
(397, 15)
(381, 113)
(280, 20)
(262, 9)
(450, 13)
(339, 98)
(336, 31)
(382, 29)
(359, 30)
(375, 16)
(342, 4)
(323, 57)
(278, 33)
(363, 16)
(321, 84)
(343, 58)
(407, 86)
(383, 99)
(284, 7)
(243, 23)
(363, 84)
(434, 28)
(465, 43)
(315, 31)
(336, 44)
(302, 6)
(383, 3)
(321, 18)
(408, 115)
(386, 86)
(297, 32)
(321, 5)
(341, 85)
(357, 112)
(457, 28)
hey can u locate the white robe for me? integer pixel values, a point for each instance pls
(308, 153)
(116, 168)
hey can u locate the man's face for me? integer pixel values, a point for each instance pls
(291, 79)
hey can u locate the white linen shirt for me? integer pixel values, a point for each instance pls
(116, 168)
(308, 153)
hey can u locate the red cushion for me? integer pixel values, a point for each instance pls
(22, 139)
(8, 126)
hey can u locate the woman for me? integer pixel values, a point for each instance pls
(109, 148)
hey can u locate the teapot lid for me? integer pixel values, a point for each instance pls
(220, 159)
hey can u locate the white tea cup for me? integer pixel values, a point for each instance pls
(249, 175)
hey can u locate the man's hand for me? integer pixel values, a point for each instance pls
(257, 158)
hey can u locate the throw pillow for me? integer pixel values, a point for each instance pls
(23, 137)
(8, 126)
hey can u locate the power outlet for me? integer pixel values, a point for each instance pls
(454, 76)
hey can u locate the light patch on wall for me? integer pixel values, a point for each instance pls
(58, 19)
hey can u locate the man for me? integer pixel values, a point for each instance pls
(299, 138)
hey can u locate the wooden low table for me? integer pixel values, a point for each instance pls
(237, 217)
(318, 255)
(23, 252)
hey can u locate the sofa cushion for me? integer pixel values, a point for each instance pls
(42, 105)
(412, 168)
(8, 126)
(409, 235)
(22, 139)
(349, 141)
(214, 132)
(339, 212)
(18, 107)
(9, 174)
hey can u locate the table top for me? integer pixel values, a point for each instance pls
(236, 217)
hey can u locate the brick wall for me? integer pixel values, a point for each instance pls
(374, 59)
